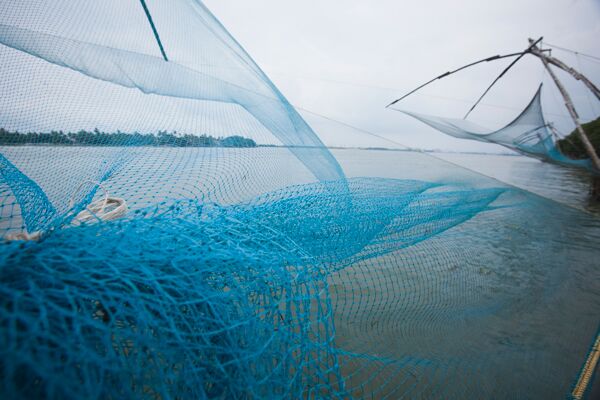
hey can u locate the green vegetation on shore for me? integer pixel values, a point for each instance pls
(98, 138)
(572, 147)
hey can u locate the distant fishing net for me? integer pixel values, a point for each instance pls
(527, 134)
(172, 228)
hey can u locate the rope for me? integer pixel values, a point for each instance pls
(390, 89)
(587, 92)
(23, 236)
(106, 209)
(572, 51)
(588, 371)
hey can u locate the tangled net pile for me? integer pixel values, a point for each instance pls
(239, 261)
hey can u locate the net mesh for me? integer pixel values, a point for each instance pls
(174, 229)
(527, 134)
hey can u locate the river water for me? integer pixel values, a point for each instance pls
(569, 186)
(505, 305)
(502, 305)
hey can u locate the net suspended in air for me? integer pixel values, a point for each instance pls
(172, 228)
(528, 134)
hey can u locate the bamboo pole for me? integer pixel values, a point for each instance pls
(512, 64)
(569, 104)
(576, 74)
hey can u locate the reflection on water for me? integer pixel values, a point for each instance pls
(569, 186)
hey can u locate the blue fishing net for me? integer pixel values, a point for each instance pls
(172, 228)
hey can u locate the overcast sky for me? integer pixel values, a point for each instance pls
(348, 59)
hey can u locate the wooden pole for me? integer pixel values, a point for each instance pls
(445, 74)
(576, 74)
(516, 60)
(569, 104)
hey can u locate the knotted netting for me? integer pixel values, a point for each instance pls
(172, 228)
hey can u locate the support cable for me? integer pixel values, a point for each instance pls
(572, 51)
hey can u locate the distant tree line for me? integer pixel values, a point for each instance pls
(98, 138)
(571, 146)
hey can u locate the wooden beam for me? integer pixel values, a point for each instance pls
(516, 60)
(445, 74)
(569, 104)
(574, 73)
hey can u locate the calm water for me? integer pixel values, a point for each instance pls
(569, 186)
(503, 305)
